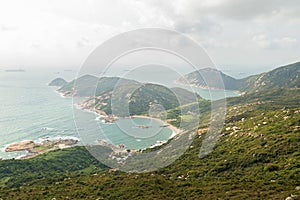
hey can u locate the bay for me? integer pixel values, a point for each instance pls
(31, 110)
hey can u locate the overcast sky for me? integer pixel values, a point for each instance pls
(242, 35)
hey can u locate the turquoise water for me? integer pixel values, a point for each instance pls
(31, 110)
(212, 94)
(123, 131)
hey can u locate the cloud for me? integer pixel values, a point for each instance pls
(83, 42)
(227, 28)
(246, 9)
(35, 45)
(236, 9)
(8, 28)
(264, 41)
(205, 26)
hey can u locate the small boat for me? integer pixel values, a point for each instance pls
(165, 125)
(142, 126)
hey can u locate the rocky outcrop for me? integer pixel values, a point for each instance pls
(20, 146)
(38, 148)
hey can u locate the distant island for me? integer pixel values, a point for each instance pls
(58, 82)
(15, 70)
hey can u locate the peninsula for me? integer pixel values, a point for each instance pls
(37, 148)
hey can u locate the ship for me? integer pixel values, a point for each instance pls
(15, 70)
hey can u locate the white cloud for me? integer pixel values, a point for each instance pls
(39, 32)
(264, 41)
(83, 42)
(8, 28)
(286, 41)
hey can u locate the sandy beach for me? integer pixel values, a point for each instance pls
(110, 119)
(175, 130)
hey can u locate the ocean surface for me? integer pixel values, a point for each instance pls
(31, 110)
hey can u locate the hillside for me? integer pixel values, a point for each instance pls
(209, 77)
(256, 157)
(139, 97)
(141, 100)
(86, 89)
(88, 85)
(283, 77)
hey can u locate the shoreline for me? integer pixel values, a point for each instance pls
(175, 130)
(100, 117)
(109, 119)
(33, 148)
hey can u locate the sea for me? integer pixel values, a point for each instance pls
(31, 110)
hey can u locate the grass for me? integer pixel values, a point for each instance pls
(256, 157)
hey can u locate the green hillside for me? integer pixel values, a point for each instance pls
(256, 157)
(112, 94)
(283, 77)
(209, 77)
(88, 85)
(151, 94)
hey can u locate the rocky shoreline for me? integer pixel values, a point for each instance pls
(89, 105)
(37, 148)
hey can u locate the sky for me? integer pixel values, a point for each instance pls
(238, 35)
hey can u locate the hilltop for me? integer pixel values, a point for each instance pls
(282, 77)
(89, 85)
(58, 82)
(209, 77)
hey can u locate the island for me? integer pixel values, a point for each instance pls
(58, 82)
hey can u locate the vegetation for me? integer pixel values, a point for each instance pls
(209, 77)
(282, 77)
(148, 95)
(140, 98)
(58, 163)
(256, 157)
(90, 86)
